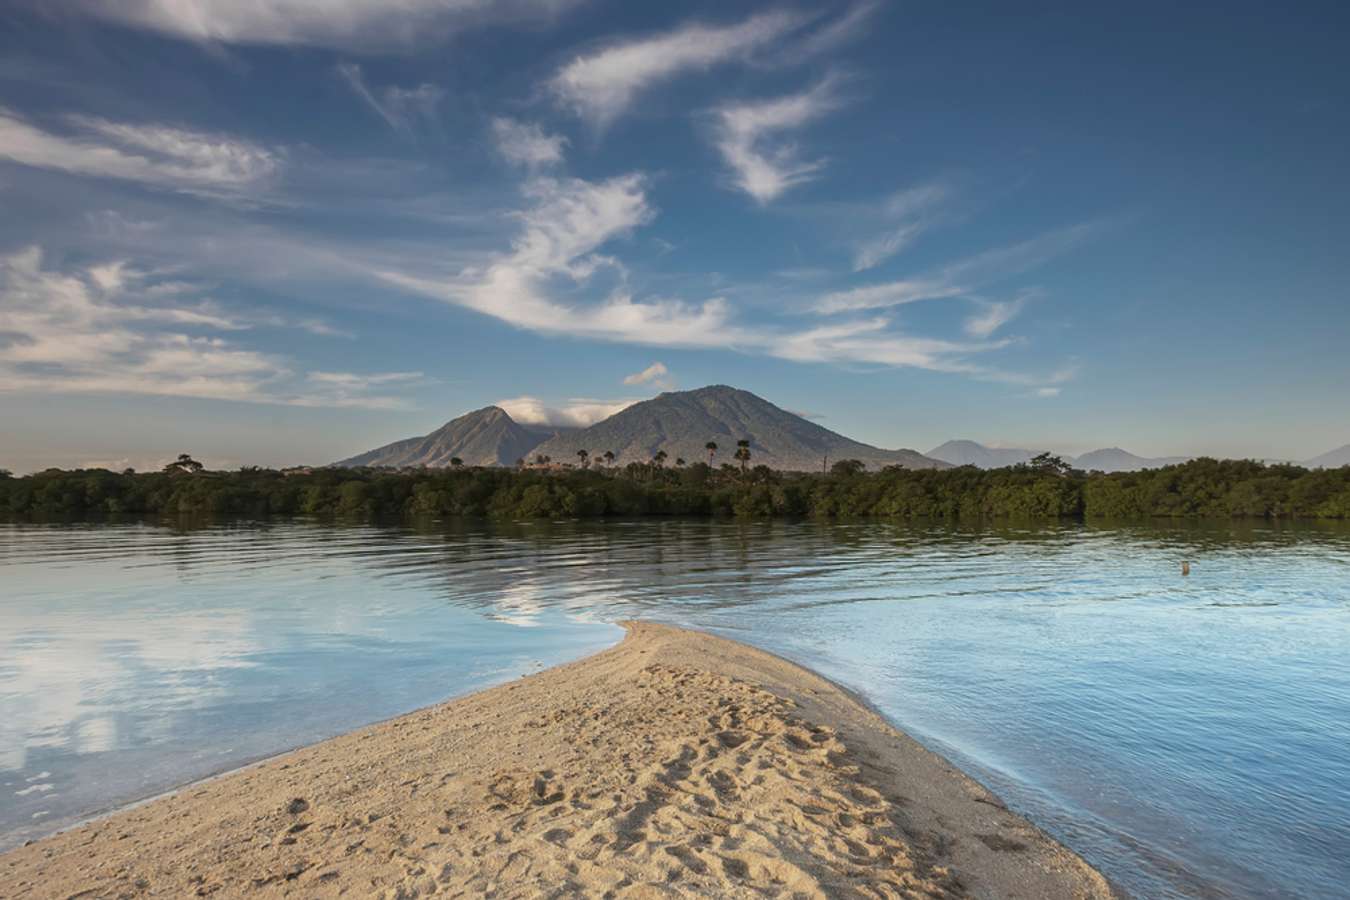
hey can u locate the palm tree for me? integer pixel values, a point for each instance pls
(711, 447)
(456, 462)
(609, 457)
(584, 457)
(660, 458)
(679, 462)
(743, 453)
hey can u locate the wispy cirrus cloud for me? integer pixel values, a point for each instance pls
(909, 211)
(745, 135)
(991, 315)
(101, 330)
(834, 34)
(353, 389)
(527, 144)
(962, 277)
(569, 220)
(875, 341)
(402, 109)
(558, 251)
(601, 85)
(890, 293)
(161, 156)
(361, 25)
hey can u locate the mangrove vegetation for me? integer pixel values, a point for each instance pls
(1044, 489)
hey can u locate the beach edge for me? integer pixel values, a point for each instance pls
(956, 828)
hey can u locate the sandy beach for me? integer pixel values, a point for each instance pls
(674, 764)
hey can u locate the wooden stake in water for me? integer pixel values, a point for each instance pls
(1185, 567)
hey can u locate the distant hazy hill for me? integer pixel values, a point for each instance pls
(969, 453)
(1333, 460)
(682, 422)
(484, 437)
(1114, 459)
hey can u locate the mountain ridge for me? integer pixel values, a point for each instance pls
(1114, 459)
(972, 453)
(1332, 459)
(481, 437)
(679, 423)
(1104, 459)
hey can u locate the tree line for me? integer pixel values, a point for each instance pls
(1044, 489)
(586, 459)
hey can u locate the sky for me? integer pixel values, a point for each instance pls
(285, 232)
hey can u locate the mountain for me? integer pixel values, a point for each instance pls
(484, 437)
(682, 422)
(969, 453)
(1333, 460)
(1114, 459)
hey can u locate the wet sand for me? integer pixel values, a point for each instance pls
(674, 764)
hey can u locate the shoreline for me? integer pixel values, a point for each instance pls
(247, 763)
(674, 763)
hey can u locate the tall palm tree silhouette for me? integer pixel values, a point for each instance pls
(743, 453)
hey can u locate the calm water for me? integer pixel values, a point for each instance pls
(1191, 737)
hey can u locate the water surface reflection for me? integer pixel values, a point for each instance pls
(1188, 735)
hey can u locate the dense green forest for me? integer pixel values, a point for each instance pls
(1203, 488)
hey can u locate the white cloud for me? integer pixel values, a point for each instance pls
(832, 35)
(993, 315)
(873, 341)
(744, 131)
(1047, 392)
(961, 277)
(319, 327)
(351, 380)
(910, 207)
(157, 155)
(350, 24)
(576, 413)
(656, 375)
(557, 255)
(351, 389)
(600, 86)
(892, 293)
(527, 144)
(91, 331)
(571, 219)
(877, 250)
(401, 108)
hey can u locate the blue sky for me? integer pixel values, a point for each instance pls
(286, 232)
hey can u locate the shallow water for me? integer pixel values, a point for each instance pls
(1189, 736)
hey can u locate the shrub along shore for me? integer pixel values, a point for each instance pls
(1047, 489)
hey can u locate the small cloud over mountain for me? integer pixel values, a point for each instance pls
(575, 413)
(657, 375)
